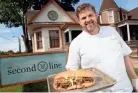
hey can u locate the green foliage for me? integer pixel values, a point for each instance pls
(18, 88)
(3, 53)
(12, 11)
(10, 51)
(136, 70)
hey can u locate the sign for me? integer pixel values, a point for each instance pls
(27, 68)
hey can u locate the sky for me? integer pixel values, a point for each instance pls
(9, 39)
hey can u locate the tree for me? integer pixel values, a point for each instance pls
(3, 53)
(12, 13)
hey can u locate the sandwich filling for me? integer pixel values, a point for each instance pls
(71, 81)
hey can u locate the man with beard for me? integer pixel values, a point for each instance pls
(101, 47)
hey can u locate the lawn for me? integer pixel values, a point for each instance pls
(34, 87)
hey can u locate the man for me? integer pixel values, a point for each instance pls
(100, 47)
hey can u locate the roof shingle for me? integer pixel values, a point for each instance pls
(133, 13)
(108, 4)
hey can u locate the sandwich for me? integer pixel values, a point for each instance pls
(70, 80)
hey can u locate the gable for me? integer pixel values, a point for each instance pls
(108, 4)
(62, 16)
(133, 13)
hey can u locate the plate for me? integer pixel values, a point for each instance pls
(102, 81)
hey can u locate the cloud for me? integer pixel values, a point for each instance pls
(3, 29)
(10, 31)
(8, 45)
(9, 38)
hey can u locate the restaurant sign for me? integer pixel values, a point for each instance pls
(29, 68)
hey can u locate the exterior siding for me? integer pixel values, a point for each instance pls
(104, 17)
(38, 50)
(116, 16)
(33, 43)
(42, 17)
(45, 36)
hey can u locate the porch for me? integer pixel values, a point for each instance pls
(129, 30)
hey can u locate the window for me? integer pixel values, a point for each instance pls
(67, 36)
(39, 40)
(75, 33)
(116, 16)
(110, 17)
(54, 38)
(100, 19)
(124, 16)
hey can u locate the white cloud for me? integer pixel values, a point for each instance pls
(9, 39)
(3, 29)
(9, 45)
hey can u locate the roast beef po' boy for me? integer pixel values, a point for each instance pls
(70, 80)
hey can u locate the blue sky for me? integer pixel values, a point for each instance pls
(10, 40)
(126, 4)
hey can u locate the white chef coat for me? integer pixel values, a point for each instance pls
(105, 51)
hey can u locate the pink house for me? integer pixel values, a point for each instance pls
(52, 27)
(126, 22)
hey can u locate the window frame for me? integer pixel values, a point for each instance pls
(110, 15)
(39, 43)
(52, 46)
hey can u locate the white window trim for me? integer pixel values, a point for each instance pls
(126, 16)
(101, 19)
(33, 42)
(118, 17)
(112, 17)
(36, 41)
(59, 41)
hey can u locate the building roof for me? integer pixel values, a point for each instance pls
(133, 14)
(108, 4)
(124, 10)
(73, 15)
(32, 12)
(60, 8)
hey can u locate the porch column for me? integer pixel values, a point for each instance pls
(70, 37)
(128, 32)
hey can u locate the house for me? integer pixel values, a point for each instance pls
(52, 27)
(126, 22)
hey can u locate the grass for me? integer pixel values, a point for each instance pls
(136, 70)
(33, 87)
(18, 88)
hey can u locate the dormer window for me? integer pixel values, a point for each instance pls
(39, 40)
(54, 38)
(110, 16)
(124, 16)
